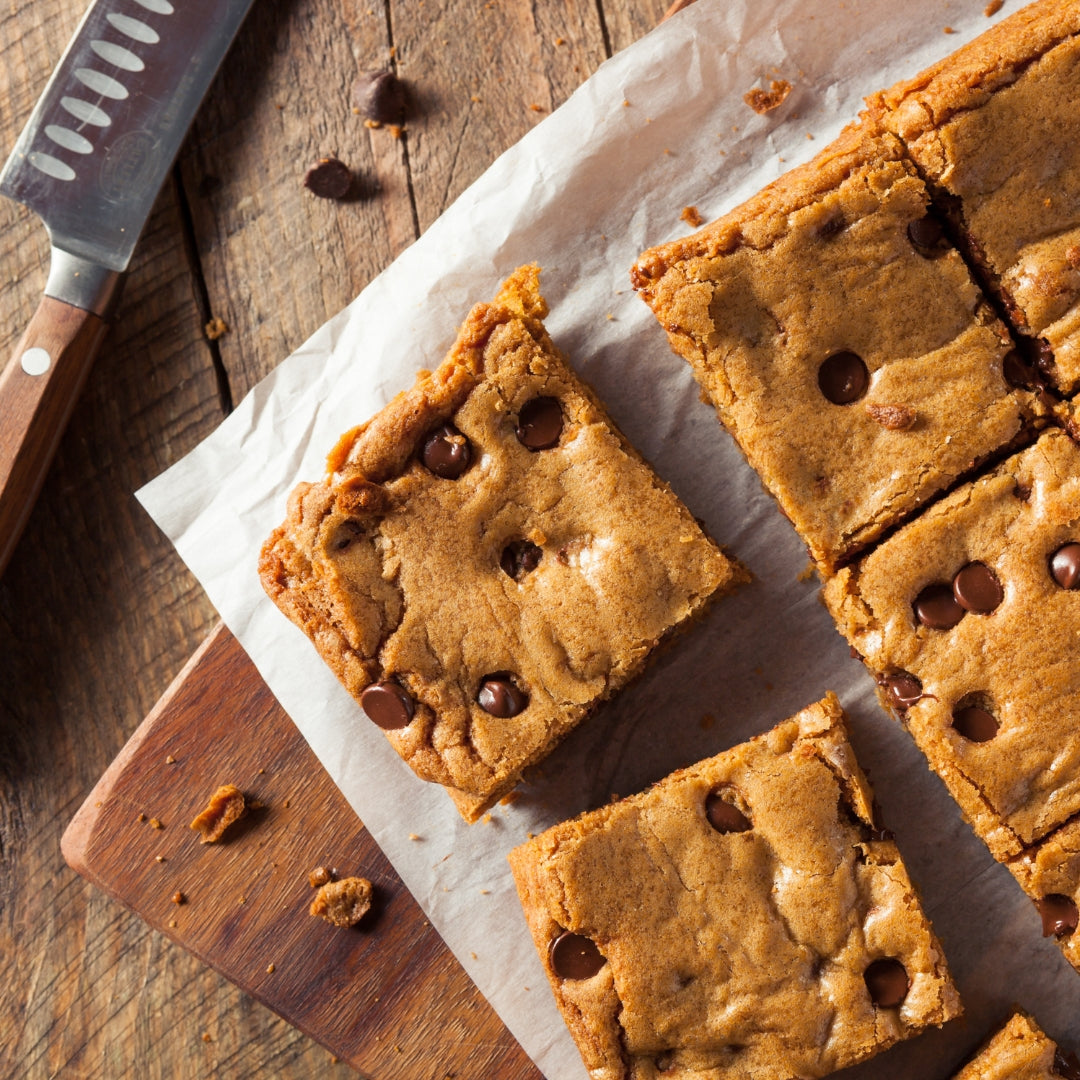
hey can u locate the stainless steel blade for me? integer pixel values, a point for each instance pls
(104, 133)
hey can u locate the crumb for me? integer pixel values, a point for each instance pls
(485, 892)
(214, 329)
(807, 573)
(948, 30)
(414, 836)
(512, 797)
(226, 805)
(993, 7)
(809, 135)
(141, 817)
(892, 417)
(318, 877)
(207, 1037)
(262, 772)
(159, 858)
(474, 99)
(179, 898)
(280, 108)
(270, 969)
(1046, 202)
(610, 317)
(707, 721)
(473, 955)
(625, 104)
(344, 902)
(395, 131)
(155, 824)
(173, 923)
(373, 124)
(242, 900)
(334, 1059)
(170, 760)
(691, 216)
(560, 41)
(486, 820)
(763, 101)
(536, 108)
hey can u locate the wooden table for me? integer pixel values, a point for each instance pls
(97, 613)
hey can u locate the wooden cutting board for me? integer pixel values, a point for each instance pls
(386, 996)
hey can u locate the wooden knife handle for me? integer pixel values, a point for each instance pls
(38, 390)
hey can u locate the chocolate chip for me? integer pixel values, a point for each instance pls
(1065, 566)
(388, 705)
(903, 688)
(520, 558)
(888, 982)
(499, 696)
(329, 179)
(926, 236)
(447, 452)
(1059, 916)
(937, 608)
(540, 423)
(379, 96)
(975, 723)
(843, 378)
(977, 589)
(723, 816)
(1018, 372)
(827, 230)
(1066, 1065)
(574, 956)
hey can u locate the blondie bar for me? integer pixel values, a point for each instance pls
(1020, 1050)
(743, 917)
(489, 558)
(994, 129)
(843, 343)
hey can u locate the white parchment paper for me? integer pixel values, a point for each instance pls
(661, 126)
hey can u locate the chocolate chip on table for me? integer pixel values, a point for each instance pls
(519, 558)
(723, 816)
(447, 452)
(1018, 373)
(887, 981)
(388, 705)
(1059, 915)
(937, 607)
(329, 178)
(975, 723)
(843, 378)
(379, 96)
(926, 236)
(540, 423)
(574, 956)
(977, 589)
(500, 696)
(1065, 566)
(903, 688)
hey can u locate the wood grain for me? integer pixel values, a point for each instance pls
(386, 996)
(97, 613)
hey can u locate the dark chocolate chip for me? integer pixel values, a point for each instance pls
(519, 558)
(926, 236)
(1065, 566)
(388, 705)
(574, 956)
(1066, 1065)
(904, 689)
(540, 423)
(1018, 372)
(447, 452)
(888, 982)
(329, 179)
(843, 378)
(723, 816)
(977, 588)
(499, 696)
(975, 723)
(937, 608)
(1059, 915)
(379, 96)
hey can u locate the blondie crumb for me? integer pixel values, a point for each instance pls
(764, 101)
(226, 805)
(344, 902)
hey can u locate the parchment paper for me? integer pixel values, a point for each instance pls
(661, 126)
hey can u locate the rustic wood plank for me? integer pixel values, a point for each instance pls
(387, 996)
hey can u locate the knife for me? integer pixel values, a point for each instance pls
(90, 162)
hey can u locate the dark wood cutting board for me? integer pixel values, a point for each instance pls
(386, 996)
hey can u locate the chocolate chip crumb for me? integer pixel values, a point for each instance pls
(344, 902)
(226, 805)
(892, 417)
(763, 101)
(329, 178)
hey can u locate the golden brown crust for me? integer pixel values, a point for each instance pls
(1019, 1050)
(737, 954)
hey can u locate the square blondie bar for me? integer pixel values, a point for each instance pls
(488, 558)
(1020, 1050)
(995, 130)
(968, 618)
(743, 917)
(843, 343)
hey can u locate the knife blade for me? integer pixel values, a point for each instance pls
(90, 162)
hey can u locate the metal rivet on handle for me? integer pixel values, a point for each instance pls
(36, 361)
